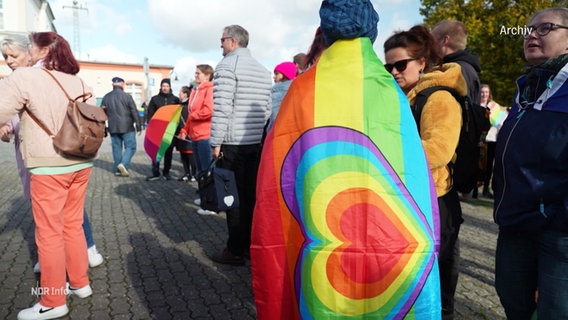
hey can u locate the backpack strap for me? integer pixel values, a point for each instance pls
(422, 98)
(59, 83)
(84, 96)
(39, 123)
(420, 101)
(33, 116)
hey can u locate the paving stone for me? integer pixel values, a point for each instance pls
(156, 251)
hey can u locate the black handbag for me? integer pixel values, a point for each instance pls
(182, 145)
(217, 188)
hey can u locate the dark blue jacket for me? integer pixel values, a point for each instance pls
(121, 111)
(530, 179)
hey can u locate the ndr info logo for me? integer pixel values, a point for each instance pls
(515, 31)
(38, 291)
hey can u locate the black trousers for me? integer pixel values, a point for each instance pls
(243, 160)
(449, 257)
(188, 162)
(167, 162)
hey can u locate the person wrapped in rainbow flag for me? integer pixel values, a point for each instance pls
(346, 218)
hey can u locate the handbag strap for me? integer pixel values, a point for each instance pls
(214, 161)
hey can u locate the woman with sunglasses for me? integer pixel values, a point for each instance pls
(413, 58)
(530, 178)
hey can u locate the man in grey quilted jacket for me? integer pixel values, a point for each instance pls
(242, 106)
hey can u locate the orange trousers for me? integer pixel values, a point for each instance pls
(57, 205)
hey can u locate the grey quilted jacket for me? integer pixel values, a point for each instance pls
(241, 96)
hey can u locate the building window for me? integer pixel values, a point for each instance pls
(135, 90)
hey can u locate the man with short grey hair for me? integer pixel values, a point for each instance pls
(242, 106)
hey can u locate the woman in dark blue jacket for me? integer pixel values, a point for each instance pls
(531, 179)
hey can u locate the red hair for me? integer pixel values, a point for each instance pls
(60, 57)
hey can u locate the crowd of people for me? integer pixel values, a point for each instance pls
(231, 114)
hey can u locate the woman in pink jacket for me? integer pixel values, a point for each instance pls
(198, 126)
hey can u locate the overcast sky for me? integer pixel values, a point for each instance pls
(183, 33)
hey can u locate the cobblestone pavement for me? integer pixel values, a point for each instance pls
(156, 251)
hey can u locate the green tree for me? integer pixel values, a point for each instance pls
(500, 52)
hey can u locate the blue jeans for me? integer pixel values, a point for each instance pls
(202, 154)
(129, 141)
(87, 230)
(527, 263)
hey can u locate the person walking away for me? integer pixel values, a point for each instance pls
(530, 178)
(123, 122)
(414, 60)
(58, 185)
(165, 97)
(242, 106)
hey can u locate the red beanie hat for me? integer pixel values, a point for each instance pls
(288, 69)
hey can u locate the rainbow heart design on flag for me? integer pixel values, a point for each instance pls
(345, 224)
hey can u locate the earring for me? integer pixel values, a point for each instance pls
(420, 74)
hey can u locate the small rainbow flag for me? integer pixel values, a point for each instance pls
(346, 219)
(497, 115)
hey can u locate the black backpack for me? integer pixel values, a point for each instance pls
(475, 122)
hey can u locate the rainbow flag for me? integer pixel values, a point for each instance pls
(161, 130)
(497, 115)
(346, 219)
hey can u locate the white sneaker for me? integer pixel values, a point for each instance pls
(204, 212)
(36, 268)
(39, 312)
(197, 202)
(123, 170)
(95, 258)
(82, 293)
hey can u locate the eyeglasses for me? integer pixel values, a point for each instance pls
(400, 65)
(543, 29)
(224, 38)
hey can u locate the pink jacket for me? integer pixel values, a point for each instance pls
(200, 108)
(34, 88)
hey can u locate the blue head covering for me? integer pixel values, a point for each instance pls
(348, 19)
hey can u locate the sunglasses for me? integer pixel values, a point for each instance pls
(400, 65)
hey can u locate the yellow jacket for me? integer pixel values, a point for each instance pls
(440, 122)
